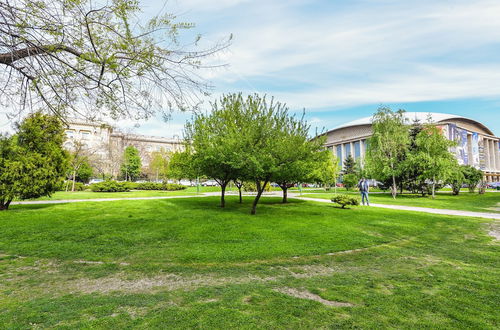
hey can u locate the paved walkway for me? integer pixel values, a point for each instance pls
(277, 194)
(418, 209)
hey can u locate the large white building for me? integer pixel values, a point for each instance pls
(476, 144)
(106, 144)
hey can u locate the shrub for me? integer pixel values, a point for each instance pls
(344, 200)
(349, 181)
(158, 186)
(110, 186)
(250, 186)
(68, 184)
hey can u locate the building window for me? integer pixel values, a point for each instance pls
(347, 149)
(70, 134)
(85, 135)
(357, 149)
(339, 154)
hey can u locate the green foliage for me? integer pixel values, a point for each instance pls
(345, 200)
(158, 186)
(350, 180)
(350, 165)
(472, 176)
(158, 165)
(79, 186)
(431, 155)
(110, 186)
(387, 146)
(181, 165)
(325, 171)
(131, 166)
(250, 186)
(32, 162)
(456, 179)
(251, 139)
(84, 172)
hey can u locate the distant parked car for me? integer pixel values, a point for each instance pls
(186, 183)
(95, 181)
(210, 183)
(493, 185)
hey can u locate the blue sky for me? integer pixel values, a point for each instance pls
(341, 60)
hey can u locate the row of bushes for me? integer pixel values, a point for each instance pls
(115, 186)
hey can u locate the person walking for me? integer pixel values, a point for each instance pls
(364, 189)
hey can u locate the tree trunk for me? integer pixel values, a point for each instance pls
(222, 195)
(239, 191)
(260, 190)
(433, 188)
(285, 193)
(73, 184)
(4, 206)
(394, 187)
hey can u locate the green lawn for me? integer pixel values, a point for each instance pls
(184, 263)
(489, 202)
(61, 195)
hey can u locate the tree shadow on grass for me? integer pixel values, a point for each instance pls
(28, 207)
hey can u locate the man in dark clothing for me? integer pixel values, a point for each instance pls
(363, 189)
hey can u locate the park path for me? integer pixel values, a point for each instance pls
(487, 215)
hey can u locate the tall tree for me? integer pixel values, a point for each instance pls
(158, 165)
(326, 171)
(131, 166)
(299, 154)
(432, 155)
(216, 141)
(349, 165)
(32, 162)
(98, 58)
(387, 145)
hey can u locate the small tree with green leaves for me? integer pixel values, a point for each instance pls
(131, 166)
(433, 156)
(158, 165)
(326, 171)
(349, 165)
(32, 162)
(472, 177)
(387, 146)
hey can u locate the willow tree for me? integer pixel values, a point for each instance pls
(387, 146)
(94, 58)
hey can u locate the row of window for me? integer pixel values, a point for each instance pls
(83, 134)
(343, 150)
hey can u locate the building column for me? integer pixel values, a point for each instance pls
(486, 151)
(493, 156)
(496, 155)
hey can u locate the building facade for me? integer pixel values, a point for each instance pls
(105, 145)
(476, 144)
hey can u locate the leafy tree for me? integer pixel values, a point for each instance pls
(456, 179)
(432, 155)
(299, 154)
(472, 177)
(131, 166)
(158, 166)
(102, 53)
(84, 173)
(32, 162)
(387, 146)
(181, 165)
(349, 165)
(350, 180)
(326, 171)
(216, 141)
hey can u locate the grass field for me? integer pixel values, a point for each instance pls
(184, 263)
(62, 195)
(489, 202)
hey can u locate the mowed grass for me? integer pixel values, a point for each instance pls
(184, 263)
(87, 194)
(488, 202)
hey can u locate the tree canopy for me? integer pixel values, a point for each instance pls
(32, 162)
(89, 58)
(132, 164)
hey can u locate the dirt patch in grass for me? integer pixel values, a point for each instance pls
(172, 282)
(303, 294)
(494, 231)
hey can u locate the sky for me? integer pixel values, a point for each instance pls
(341, 60)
